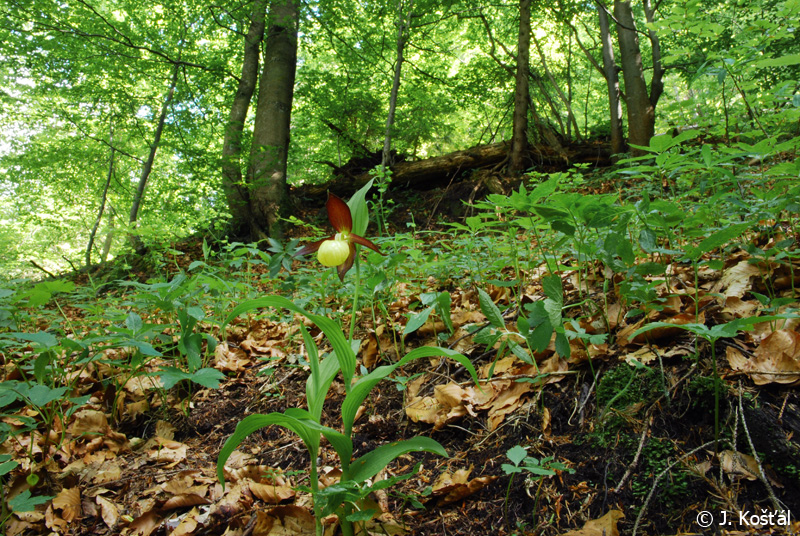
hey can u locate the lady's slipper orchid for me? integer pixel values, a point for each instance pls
(340, 249)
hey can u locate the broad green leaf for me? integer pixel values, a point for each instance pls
(788, 59)
(553, 288)
(490, 310)
(25, 503)
(207, 377)
(359, 210)
(41, 395)
(253, 423)
(361, 389)
(516, 454)
(418, 320)
(41, 338)
(134, 323)
(344, 353)
(371, 463)
(716, 240)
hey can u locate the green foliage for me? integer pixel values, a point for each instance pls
(353, 485)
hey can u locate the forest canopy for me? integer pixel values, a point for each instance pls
(119, 119)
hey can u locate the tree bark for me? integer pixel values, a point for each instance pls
(148, 165)
(235, 189)
(266, 177)
(611, 74)
(570, 116)
(102, 208)
(403, 24)
(519, 142)
(641, 111)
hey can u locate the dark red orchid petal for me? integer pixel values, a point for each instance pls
(365, 242)
(339, 214)
(348, 263)
(310, 248)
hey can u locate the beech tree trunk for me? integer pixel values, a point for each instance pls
(611, 73)
(641, 111)
(103, 199)
(235, 188)
(266, 176)
(148, 165)
(403, 25)
(519, 141)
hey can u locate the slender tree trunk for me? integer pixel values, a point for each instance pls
(657, 83)
(611, 73)
(269, 194)
(102, 209)
(112, 218)
(148, 165)
(403, 25)
(519, 140)
(570, 116)
(232, 182)
(641, 112)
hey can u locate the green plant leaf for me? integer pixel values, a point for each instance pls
(716, 240)
(371, 463)
(341, 349)
(416, 321)
(253, 423)
(359, 210)
(361, 389)
(25, 503)
(516, 454)
(490, 310)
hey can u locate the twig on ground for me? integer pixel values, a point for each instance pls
(659, 477)
(776, 504)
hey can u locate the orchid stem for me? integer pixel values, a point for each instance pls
(355, 299)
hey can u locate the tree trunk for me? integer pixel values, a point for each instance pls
(109, 235)
(519, 142)
(102, 209)
(611, 73)
(148, 165)
(232, 183)
(657, 83)
(641, 112)
(570, 116)
(403, 24)
(266, 177)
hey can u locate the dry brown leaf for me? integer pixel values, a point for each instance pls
(89, 421)
(188, 524)
(738, 464)
(230, 359)
(604, 526)
(108, 511)
(171, 452)
(452, 487)
(776, 360)
(69, 502)
(447, 405)
(738, 308)
(737, 279)
(183, 501)
(289, 520)
(506, 401)
(271, 493)
(370, 354)
(546, 423)
(143, 525)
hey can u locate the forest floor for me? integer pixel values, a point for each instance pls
(619, 438)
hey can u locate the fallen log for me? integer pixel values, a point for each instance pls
(441, 170)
